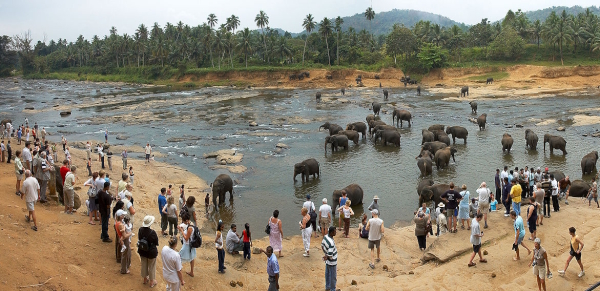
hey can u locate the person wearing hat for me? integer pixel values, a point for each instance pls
(324, 217)
(147, 249)
(104, 202)
(442, 226)
(376, 229)
(310, 206)
(541, 266)
(374, 204)
(484, 194)
(128, 202)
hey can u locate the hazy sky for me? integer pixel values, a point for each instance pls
(68, 19)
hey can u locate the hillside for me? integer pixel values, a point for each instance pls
(574, 10)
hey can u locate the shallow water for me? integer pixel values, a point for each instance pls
(217, 118)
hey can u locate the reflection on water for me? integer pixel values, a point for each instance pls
(204, 120)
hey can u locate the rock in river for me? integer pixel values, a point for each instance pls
(122, 137)
(562, 128)
(65, 113)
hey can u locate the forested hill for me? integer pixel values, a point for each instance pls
(543, 13)
(383, 21)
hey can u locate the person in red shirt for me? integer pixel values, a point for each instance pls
(64, 170)
(247, 241)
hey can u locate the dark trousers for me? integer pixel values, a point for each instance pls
(422, 241)
(555, 204)
(221, 255)
(330, 277)
(163, 222)
(9, 156)
(89, 170)
(172, 224)
(498, 194)
(104, 219)
(102, 162)
(507, 205)
(117, 248)
(546, 205)
(247, 250)
(525, 188)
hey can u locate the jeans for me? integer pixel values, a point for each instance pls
(247, 250)
(9, 157)
(517, 207)
(104, 218)
(546, 205)
(330, 277)
(172, 224)
(221, 255)
(555, 204)
(124, 163)
(102, 162)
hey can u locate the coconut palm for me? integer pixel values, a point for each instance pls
(325, 30)
(232, 24)
(370, 14)
(245, 44)
(283, 48)
(211, 20)
(563, 33)
(142, 33)
(262, 20)
(338, 28)
(309, 25)
(536, 31)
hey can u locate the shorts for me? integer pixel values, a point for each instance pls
(484, 207)
(93, 206)
(451, 211)
(19, 177)
(476, 248)
(324, 222)
(539, 271)
(69, 197)
(532, 227)
(576, 255)
(374, 243)
(540, 210)
(30, 206)
(147, 156)
(520, 240)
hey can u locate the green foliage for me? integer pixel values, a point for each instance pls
(8, 57)
(507, 46)
(432, 56)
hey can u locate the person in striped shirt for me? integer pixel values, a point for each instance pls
(330, 258)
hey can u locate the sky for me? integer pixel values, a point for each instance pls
(55, 19)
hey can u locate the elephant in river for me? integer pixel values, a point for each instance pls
(387, 136)
(332, 127)
(306, 168)
(427, 136)
(481, 120)
(318, 96)
(588, 162)
(442, 136)
(442, 157)
(401, 114)
(433, 192)
(436, 127)
(385, 94)
(383, 127)
(558, 175)
(425, 163)
(489, 81)
(353, 191)
(464, 90)
(418, 90)
(424, 183)
(220, 187)
(351, 134)
(555, 142)
(579, 188)
(360, 127)
(375, 123)
(338, 140)
(457, 131)
(372, 117)
(376, 108)
(507, 142)
(473, 107)
(531, 139)
(343, 90)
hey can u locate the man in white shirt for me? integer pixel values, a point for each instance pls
(3, 151)
(376, 229)
(233, 242)
(503, 174)
(30, 190)
(148, 151)
(311, 209)
(324, 217)
(554, 183)
(26, 154)
(476, 235)
(484, 201)
(172, 266)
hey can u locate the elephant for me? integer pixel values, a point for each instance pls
(372, 117)
(382, 127)
(457, 131)
(220, 187)
(425, 163)
(329, 77)
(464, 90)
(442, 157)
(343, 91)
(385, 94)
(375, 123)
(531, 139)
(306, 168)
(436, 127)
(418, 90)
(332, 127)
(424, 153)
(353, 191)
(473, 107)
(300, 76)
(351, 134)
(433, 192)
(401, 114)
(481, 120)
(338, 140)
(424, 183)
(427, 136)
(442, 136)
(318, 96)
(507, 142)
(360, 127)
(555, 142)
(306, 74)
(489, 81)
(579, 188)
(376, 108)
(292, 77)
(387, 136)
(558, 175)
(377, 77)
(588, 162)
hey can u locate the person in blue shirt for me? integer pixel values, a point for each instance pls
(494, 204)
(519, 234)
(506, 199)
(510, 177)
(162, 201)
(272, 269)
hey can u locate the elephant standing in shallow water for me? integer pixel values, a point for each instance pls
(220, 187)
(457, 131)
(433, 147)
(332, 127)
(387, 136)
(464, 90)
(385, 94)
(338, 140)
(376, 108)
(425, 163)
(306, 168)
(351, 134)
(360, 127)
(588, 162)
(473, 107)
(481, 120)
(507, 142)
(531, 139)
(401, 115)
(442, 157)
(427, 136)
(555, 142)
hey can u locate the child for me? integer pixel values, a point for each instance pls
(473, 207)
(493, 204)
(128, 229)
(247, 241)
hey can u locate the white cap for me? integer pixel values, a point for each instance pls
(120, 212)
(375, 211)
(325, 200)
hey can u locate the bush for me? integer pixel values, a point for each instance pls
(433, 56)
(508, 45)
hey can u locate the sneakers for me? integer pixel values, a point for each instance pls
(581, 274)
(505, 215)
(561, 272)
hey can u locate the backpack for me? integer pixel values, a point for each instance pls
(196, 237)
(184, 210)
(312, 213)
(143, 245)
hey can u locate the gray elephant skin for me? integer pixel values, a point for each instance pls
(558, 175)
(507, 142)
(360, 127)
(306, 168)
(332, 127)
(220, 187)
(354, 193)
(588, 162)
(343, 90)
(375, 123)
(531, 139)
(336, 141)
(464, 90)
(442, 157)
(418, 90)
(425, 163)
(441, 136)
(433, 192)
(489, 81)
(372, 117)
(427, 136)
(481, 121)
(555, 142)
(579, 188)
(387, 136)
(424, 183)
(351, 134)
(457, 132)
(436, 127)
(433, 146)
(318, 96)
(401, 115)
(473, 107)
(385, 94)
(376, 108)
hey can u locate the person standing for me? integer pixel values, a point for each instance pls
(172, 266)
(148, 151)
(88, 150)
(463, 207)
(476, 235)
(31, 192)
(148, 251)
(247, 239)
(101, 153)
(376, 229)
(69, 190)
(2, 151)
(219, 247)
(504, 174)
(106, 136)
(19, 170)
(538, 194)
(547, 187)
(341, 203)
(89, 166)
(519, 234)
(330, 258)
(131, 174)
(515, 194)
(9, 152)
(532, 212)
(170, 210)
(272, 269)
(45, 170)
(452, 198)
(306, 231)
(555, 205)
(162, 202)
(531, 179)
(593, 193)
(541, 266)
(324, 217)
(276, 232)
(312, 212)
(484, 201)
(109, 157)
(498, 184)
(421, 220)
(104, 201)
(27, 158)
(576, 245)
(374, 204)
(347, 212)
(124, 158)
(187, 252)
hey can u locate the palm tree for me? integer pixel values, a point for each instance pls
(220, 43)
(338, 27)
(437, 35)
(536, 31)
(309, 25)
(262, 20)
(370, 14)
(211, 20)
(142, 32)
(232, 24)
(245, 43)
(283, 49)
(563, 33)
(325, 31)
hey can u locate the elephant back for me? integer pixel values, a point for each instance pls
(579, 188)
(558, 175)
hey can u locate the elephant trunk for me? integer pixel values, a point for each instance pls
(454, 160)
(326, 146)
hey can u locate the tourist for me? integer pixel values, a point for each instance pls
(541, 266)
(99, 149)
(484, 201)
(538, 175)
(532, 212)
(515, 194)
(92, 192)
(106, 136)
(341, 203)
(232, 242)
(306, 230)
(128, 203)
(376, 229)
(122, 185)
(162, 202)
(68, 157)
(206, 203)
(347, 211)
(170, 210)
(311, 211)
(526, 179)
(182, 198)
(101, 153)
(69, 190)
(547, 187)
(131, 175)
(463, 208)
(124, 158)
(473, 207)
(324, 217)
(494, 204)
(576, 245)
(19, 135)
(593, 193)
(172, 267)
(423, 208)
(554, 183)
(247, 239)
(148, 151)
(109, 157)
(421, 221)
(104, 201)
(9, 152)
(538, 194)
(374, 204)
(147, 249)
(54, 152)
(219, 246)
(64, 170)
(272, 269)
(452, 198)
(89, 166)
(519, 234)
(169, 191)
(45, 170)
(27, 157)
(187, 252)
(562, 188)
(504, 174)
(88, 150)
(531, 178)
(440, 219)
(498, 184)
(511, 177)
(19, 170)
(476, 235)
(330, 258)
(362, 228)
(275, 233)
(124, 239)
(189, 205)
(2, 150)
(31, 191)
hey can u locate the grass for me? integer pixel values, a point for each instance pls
(495, 75)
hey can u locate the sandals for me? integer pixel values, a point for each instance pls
(34, 228)
(27, 218)
(92, 223)
(377, 260)
(372, 266)
(471, 264)
(483, 261)
(191, 275)
(462, 227)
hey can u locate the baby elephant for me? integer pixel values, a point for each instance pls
(385, 94)
(489, 81)
(473, 107)
(507, 142)
(306, 168)
(464, 90)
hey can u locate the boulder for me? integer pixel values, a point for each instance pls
(240, 283)
(76, 201)
(65, 113)
(29, 108)
(354, 283)
(596, 134)
(122, 137)
(282, 145)
(225, 159)
(233, 283)
(562, 128)
(219, 152)
(253, 123)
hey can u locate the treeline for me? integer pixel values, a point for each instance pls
(225, 45)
